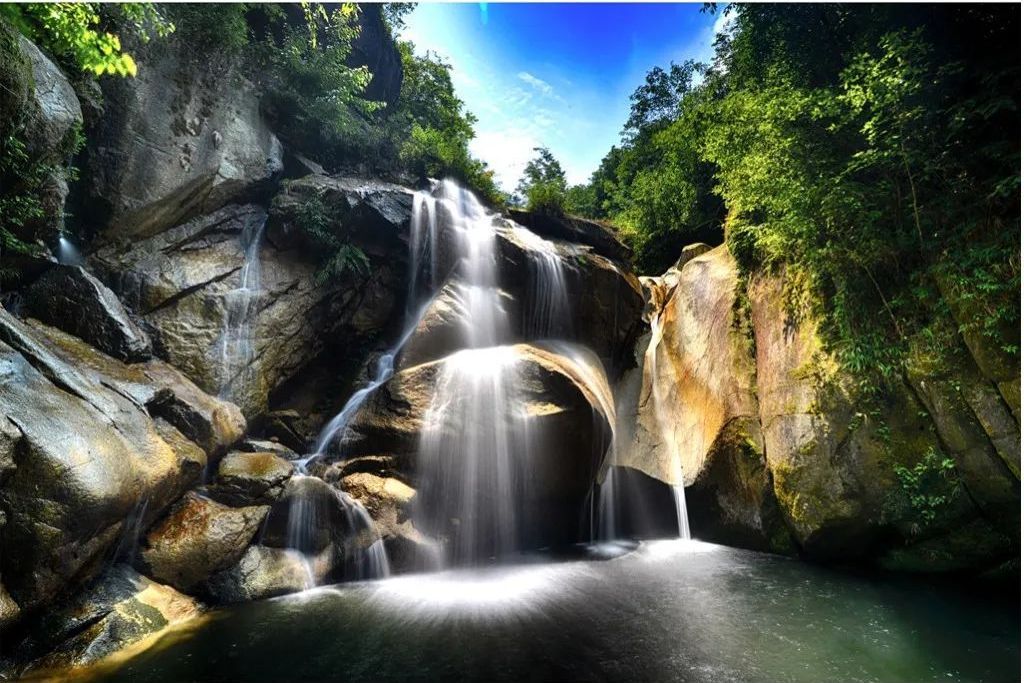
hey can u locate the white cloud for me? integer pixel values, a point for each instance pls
(541, 85)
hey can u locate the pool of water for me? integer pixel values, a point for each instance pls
(660, 611)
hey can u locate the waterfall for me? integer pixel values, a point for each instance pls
(611, 492)
(422, 238)
(303, 519)
(241, 305)
(547, 302)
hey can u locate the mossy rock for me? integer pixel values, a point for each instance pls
(16, 81)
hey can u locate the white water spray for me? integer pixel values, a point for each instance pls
(241, 306)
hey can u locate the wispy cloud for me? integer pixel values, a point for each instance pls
(538, 83)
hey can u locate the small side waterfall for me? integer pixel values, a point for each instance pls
(241, 306)
(612, 494)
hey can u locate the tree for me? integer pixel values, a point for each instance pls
(543, 186)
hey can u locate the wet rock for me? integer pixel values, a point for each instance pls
(120, 613)
(89, 456)
(267, 446)
(552, 403)
(70, 298)
(247, 478)
(266, 573)
(389, 501)
(198, 538)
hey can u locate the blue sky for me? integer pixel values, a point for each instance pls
(557, 75)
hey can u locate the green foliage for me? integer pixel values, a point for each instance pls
(312, 93)
(336, 257)
(434, 127)
(581, 200)
(77, 33)
(657, 187)
(862, 152)
(543, 186)
(213, 26)
(930, 485)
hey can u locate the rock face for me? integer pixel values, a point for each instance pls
(251, 477)
(185, 285)
(70, 298)
(740, 400)
(567, 421)
(575, 229)
(119, 611)
(54, 118)
(184, 137)
(92, 450)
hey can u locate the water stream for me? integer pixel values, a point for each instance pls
(241, 306)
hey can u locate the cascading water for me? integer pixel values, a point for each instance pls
(241, 306)
(304, 519)
(547, 305)
(422, 244)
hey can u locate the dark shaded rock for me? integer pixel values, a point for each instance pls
(641, 506)
(370, 213)
(731, 500)
(53, 115)
(197, 538)
(375, 49)
(70, 298)
(575, 229)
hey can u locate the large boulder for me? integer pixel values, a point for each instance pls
(575, 229)
(92, 451)
(198, 538)
(183, 138)
(739, 394)
(186, 284)
(552, 404)
(247, 478)
(70, 298)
